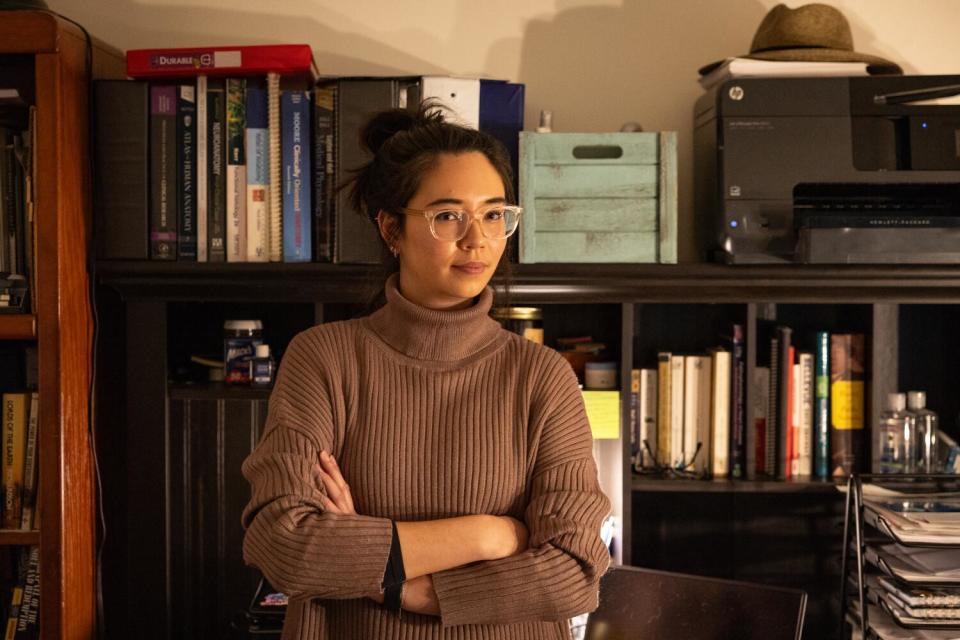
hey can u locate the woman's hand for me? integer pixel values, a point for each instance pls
(338, 498)
(420, 597)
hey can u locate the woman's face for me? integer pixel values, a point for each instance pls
(431, 272)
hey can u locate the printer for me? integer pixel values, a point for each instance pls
(830, 169)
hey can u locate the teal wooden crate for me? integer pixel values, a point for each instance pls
(598, 197)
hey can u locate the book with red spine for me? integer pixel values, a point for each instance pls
(179, 62)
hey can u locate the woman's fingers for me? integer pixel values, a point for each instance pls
(337, 487)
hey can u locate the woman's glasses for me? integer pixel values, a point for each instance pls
(497, 221)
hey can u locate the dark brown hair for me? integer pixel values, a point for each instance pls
(404, 146)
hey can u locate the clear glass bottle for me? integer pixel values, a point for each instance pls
(893, 434)
(262, 367)
(926, 423)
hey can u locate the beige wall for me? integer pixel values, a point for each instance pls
(595, 63)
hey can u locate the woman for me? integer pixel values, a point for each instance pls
(423, 472)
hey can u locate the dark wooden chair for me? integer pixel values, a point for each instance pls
(642, 604)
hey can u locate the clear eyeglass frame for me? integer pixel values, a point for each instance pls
(511, 214)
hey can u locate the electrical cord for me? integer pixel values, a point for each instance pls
(91, 275)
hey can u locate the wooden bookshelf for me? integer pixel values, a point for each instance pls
(21, 326)
(62, 321)
(9, 537)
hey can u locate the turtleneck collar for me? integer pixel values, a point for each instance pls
(428, 334)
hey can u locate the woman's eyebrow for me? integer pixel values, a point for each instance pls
(494, 200)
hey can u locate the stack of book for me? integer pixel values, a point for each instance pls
(807, 417)
(17, 237)
(236, 154)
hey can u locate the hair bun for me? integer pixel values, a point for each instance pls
(384, 126)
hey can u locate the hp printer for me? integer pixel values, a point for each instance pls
(826, 169)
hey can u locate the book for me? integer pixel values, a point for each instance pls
(696, 412)
(784, 404)
(122, 173)
(258, 175)
(220, 60)
(324, 101)
(357, 240)
(647, 417)
(13, 612)
(721, 364)
(202, 169)
(822, 405)
(187, 172)
(163, 172)
(664, 410)
(295, 142)
(28, 623)
(772, 424)
(236, 213)
(738, 401)
(759, 413)
(216, 170)
(805, 414)
(793, 417)
(30, 464)
(677, 440)
(636, 445)
(275, 233)
(15, 409)
(847, 373)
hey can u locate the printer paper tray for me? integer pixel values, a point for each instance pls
(852, 245)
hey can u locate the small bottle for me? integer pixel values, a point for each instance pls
(893, 434)
(262, 367)
(926, 423)
(546, 121)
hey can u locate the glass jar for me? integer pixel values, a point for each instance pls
(240, 340)
(525, 321)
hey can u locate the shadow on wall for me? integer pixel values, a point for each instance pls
(342, 51)
(596, 68)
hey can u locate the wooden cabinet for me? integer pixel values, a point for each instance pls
(57, 56)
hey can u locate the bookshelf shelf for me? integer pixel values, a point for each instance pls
(546, 283)
(217, 391)
(9, 537)
(641, 484)
(21, 326)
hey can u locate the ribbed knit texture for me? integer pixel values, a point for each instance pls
(430, 414)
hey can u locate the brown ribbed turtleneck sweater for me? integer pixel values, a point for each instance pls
(430, 414)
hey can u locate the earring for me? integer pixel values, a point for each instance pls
(394, 251)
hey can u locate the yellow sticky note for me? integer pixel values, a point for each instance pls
(603, 412)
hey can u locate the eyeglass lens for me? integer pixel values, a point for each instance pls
(496, 223)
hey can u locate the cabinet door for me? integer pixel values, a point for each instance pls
(208, 580)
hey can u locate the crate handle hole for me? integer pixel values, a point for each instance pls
(598, 152)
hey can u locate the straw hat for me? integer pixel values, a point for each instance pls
(811, 33)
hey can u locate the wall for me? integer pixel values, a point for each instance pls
(595, 63)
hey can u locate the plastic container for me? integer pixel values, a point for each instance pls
(240, 340)
(262, 367)
(525, 321)
(926, 423)
(600, 375)
(895, 436)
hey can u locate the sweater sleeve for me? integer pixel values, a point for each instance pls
(302, 549)
(557, 577)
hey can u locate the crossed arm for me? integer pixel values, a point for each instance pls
(431, 545)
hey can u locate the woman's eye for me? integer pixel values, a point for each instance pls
(447, 216)
(495, 214)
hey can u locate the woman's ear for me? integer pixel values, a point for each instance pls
(388, 228)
